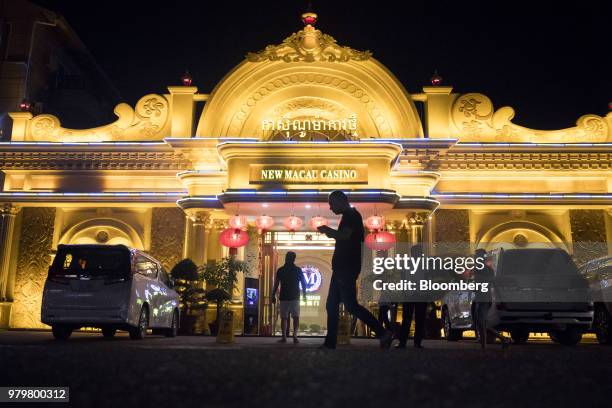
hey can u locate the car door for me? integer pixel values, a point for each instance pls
(148, 288)
(168, 298)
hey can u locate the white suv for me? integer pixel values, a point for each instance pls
(111, 287)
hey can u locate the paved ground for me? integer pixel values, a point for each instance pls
(194, 371)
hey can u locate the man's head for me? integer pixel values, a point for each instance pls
(338, 202)
(416, 250)
(290, 258)
(480, 253)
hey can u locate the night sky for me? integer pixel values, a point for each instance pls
(552, 65)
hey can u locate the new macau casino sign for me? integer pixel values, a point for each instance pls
(313, 278)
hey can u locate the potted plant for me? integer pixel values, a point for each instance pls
(192, 300)
(221, 278)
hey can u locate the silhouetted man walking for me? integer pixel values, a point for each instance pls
(346, 266)
(418, 309)
(289, 277)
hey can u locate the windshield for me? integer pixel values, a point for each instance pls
(94, 262)
(537, 262)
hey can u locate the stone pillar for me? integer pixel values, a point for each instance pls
(197, 236)
(416, 223)
(7, 223)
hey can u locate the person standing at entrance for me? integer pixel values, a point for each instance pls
(289, 277)
(418, 309)
(482, 303)
(346, 266)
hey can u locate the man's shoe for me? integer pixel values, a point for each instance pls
(418, 345)
(295, 340)
(386, 339)
(325, 346)
(283, 340)
(400, 346)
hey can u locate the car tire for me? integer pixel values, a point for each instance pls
(109, 332)
(450, 333)
(519, 336)
(61, 332)
(602, 325)
(139, 331)
(567, 337)
(173, 330)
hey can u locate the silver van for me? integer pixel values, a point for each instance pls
(536, 290)
(111, 287)
(598, 272)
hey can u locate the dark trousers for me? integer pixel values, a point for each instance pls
(419, 309)
(343, 289)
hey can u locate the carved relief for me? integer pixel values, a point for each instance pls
(167, 236)
(308, 45)
(330, 81)
(451, 232)
(251, 253)
(476, 120)
(588, 234)
(32, 264)
(146, 122)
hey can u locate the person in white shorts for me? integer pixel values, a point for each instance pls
(289, 277)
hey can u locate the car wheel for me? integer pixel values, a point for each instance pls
(567, 337)
(109, 332)
(140, 331)
(450, 333)
(173, 330)
(61, 332)
(602, 324)
(519, 336)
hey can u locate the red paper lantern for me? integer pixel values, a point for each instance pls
(293, 223)
(380, 241)
(238, 222)
(318, 221)
(264, 222)
(234, 238)
(309, 18)
(24, 105)
(436, 79)
(375, 223)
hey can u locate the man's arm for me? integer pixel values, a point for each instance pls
(303, 282)
(276, 283)
(338, 235)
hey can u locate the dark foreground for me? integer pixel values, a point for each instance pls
(253, 372)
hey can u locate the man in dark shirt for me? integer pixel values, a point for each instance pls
(289, 277)
(346, 265)
(482, 302)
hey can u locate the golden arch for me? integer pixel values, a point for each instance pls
(536, 235)
(252, 92)
(102, 231)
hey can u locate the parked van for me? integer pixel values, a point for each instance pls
(598, 273)
(111, 287)
(536, 290)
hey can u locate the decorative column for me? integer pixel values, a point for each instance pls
(416, 222)
(197, 235)
(7, 224)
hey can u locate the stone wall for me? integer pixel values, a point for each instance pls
(167, 236)
(588, 234)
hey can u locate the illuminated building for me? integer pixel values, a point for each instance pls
(282, 129)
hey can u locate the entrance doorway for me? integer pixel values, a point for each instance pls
(314, 252)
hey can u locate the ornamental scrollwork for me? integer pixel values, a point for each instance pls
(308, 45)
(476, 120)
(148, 121)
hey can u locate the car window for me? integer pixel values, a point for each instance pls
(163, 276)
(146, 267)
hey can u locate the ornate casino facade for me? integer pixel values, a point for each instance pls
(283, 128)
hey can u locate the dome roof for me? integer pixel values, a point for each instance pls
(309, 75)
